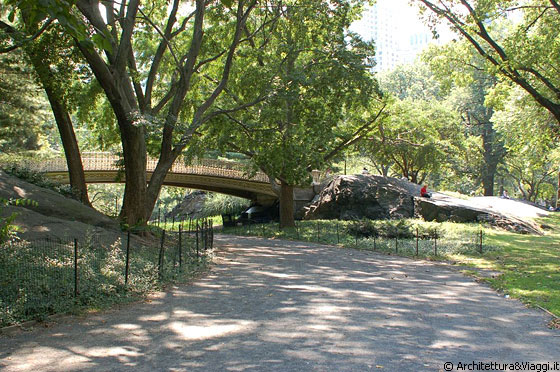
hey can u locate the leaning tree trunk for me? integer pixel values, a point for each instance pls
(71, 149)
(158, 177)
(286, 205)
(64, 124)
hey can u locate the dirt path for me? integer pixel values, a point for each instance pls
(282, 306)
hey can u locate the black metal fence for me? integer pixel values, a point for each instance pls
(43, 277)
(411, 241)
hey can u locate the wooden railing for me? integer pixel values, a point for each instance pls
(102, 161)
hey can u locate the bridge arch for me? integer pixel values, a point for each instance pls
(221, 176)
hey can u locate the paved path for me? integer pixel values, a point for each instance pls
(280, 306)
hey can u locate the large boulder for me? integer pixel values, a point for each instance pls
(54, 217)
(443, 207)
(52, 204)
(363, 196)
(376, 197)
(191, 206)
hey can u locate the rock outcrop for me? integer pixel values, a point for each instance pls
(54, 217)
(363, 196)
(442, 208)
(377, 197)
(51, 203)
(190, 207)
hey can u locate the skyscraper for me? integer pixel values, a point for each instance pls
(397, 31)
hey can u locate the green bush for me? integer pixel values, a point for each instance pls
(7, 228)
(400, 229)
(217, 204)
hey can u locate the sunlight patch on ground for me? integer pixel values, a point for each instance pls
(154, 317)
(211, 330)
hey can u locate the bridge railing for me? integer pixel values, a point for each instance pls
(102, 161)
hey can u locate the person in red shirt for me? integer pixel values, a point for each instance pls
(424, 192)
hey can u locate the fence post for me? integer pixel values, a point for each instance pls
(180, 246)
(161, 256)
(337, 234)
(211, 234)
(480, 242)
(127, 258)
(318, 233)
(435, 245)
(396, 245)
(75, 267)
(173, 224)
(158, 216)
(416, 241)
(197, 254)
(374, 240)
(205, 232)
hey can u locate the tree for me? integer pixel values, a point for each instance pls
(161, 71)
(53, 62)
(414, 80)
(463, 77)
(527, 55)
(319, 96)
(418, 137)
(23, 108)
(531, 160)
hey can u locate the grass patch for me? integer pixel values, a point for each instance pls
(530, 264)
(37, 278)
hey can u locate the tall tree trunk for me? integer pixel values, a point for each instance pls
(493, 155)
(70, 145)
(286, 205)
(64, 124)
(134, 211)
(488, 176)
(158, 176)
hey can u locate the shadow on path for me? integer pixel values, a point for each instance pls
(288, 306)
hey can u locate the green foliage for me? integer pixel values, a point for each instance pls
(314, 82)
(435, 240)
(522, 49)
(414, 81)
(400, 229)
(24, 119)
(7, 228)
(461, 70)
(217, 204)
(417, 138)
(532, 161)
(37, 278)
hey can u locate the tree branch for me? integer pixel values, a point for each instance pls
(125, 43)
(9, 29)
(198, 116)
(356, 136)
(556, 5)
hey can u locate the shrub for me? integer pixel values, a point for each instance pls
(7, 228)
(363, 229)
(217, 204)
